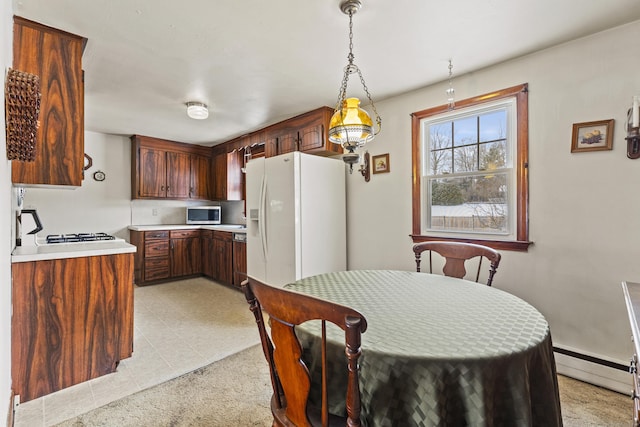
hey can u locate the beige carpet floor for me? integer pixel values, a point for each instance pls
(232, 392)
(236, 391)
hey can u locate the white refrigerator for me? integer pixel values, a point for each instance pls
(296, 217)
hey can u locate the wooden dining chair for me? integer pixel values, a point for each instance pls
(289, 374)
(455, 254)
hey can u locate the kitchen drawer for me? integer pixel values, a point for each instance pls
(156, 263)
(223, 235)
(156, 249)
(157, 234)
(183, 234)
(151, 274)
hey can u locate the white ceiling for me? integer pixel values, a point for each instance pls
(256, 62)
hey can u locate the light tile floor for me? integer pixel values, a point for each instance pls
(178, 327)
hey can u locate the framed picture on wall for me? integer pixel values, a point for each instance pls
(592, 136)
(380, 163)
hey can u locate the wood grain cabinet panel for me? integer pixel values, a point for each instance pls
(72, 321)
(152, 255)
(307, 132)
(207, 253)
(186, 258)
(162, 169)
(227, 173)
(222, 257)
(178, 175)
(56, 57)
(239, 262)
(153, 171)
(200, 178)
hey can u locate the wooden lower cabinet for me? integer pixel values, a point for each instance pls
(152, 262)
(239, 262)
(185, 254)
(166, 254)
(207, 253)
(222, 257)
(72, 321)
(174, 254)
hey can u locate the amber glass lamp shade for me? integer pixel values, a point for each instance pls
(351, 126)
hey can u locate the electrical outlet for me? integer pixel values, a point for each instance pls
(154, 212)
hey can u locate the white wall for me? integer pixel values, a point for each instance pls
(6, 220)
(96, 206)
(584, 207)
(102, 206)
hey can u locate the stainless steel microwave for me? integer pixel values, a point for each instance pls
(204, 215)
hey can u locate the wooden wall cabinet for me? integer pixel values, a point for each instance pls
(200, 177)
(72, 321)
(56, 57)
(307, 132)
(227, 174)
(162, 169)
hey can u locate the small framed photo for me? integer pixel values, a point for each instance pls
(592, 136)
(380, 163)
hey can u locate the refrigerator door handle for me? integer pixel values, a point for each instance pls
(262, 229)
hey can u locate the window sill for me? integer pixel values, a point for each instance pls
(507, 245)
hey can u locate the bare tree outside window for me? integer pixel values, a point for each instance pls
(470, 164)
(467, 186)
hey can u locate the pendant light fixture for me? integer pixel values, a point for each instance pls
(350, 125)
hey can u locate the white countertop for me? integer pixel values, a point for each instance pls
(70, 250)
(222, 227)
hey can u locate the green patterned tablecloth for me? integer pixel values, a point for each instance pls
(441, 351)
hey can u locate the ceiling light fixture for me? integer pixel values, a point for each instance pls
(350, 125)
(197, 110)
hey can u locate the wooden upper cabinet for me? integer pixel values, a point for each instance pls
(56, 57)
(178, 175)
(200, 177)
(288, 141)
(307, 132)
(162, 169)
(153, 172)
(227, 175)
(312, 138)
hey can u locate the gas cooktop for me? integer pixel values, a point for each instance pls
(79, 237)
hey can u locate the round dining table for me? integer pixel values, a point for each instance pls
(438, 351)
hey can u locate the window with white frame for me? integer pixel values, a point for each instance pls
(471, 164)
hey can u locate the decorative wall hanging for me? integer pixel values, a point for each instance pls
(381, 163)
(22, 108)
(592, 136)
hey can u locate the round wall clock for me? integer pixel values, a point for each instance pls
(99, 176)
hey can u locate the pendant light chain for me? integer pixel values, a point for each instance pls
(350, 69)
(451, 104)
